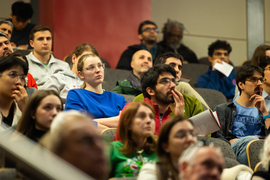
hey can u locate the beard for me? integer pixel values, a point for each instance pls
(6, 53)
(175, 45)
(150, 41)
(164, 98)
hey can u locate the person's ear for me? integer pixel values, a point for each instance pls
(183, 167)
(31, 42)
(11, 15)
(150, 91)
(131, 64)
(81, 75)
(73, 58)
(210, 58)
(140, 37)
(241, 85)
(165, 147)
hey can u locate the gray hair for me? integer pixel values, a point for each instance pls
(170, 23)
(264, 155)
(7, 22)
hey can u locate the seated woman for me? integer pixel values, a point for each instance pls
(176, 135)
(63, 81)
(265, 157)
(39, 113)
(105, 106)
(137, 146)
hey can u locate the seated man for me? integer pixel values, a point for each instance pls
(246, 118)
(148, 36)
(20, 16)
(141, 62)
(42, 64)
(199, 163)
(74, 138)
(6, 27)
(218, 52)
(158, 87)
(172, 41)
(13, 96)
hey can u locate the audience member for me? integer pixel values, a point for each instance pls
(172, 41)
(158, 86)
(218, 52)
(136, 146)
(42, 64)
(261, 53)
(247, 117)
(13, 96)
(148, 36)
(176, 135)
(74, 138)
(176, 61)
(39, 113)
(6, 49)
(197, 163)
(103, 105)
(20, 15)
(63, 81)
(6, 27)
(141, 62)
(265, 159)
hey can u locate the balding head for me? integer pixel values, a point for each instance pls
(201, 163)
(141, 62)
(74, 137)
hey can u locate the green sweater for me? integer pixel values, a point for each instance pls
(192, 105)
(124, 87)
(122, 166)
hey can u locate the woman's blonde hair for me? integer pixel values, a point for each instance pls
(80, 64)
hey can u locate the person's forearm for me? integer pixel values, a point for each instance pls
(111, 122)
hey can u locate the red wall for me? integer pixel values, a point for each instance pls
(110, 25)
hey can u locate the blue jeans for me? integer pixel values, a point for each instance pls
(239, 148)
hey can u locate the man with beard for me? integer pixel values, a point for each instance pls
(172, 41)
(141, 62)
(246, 118)
(158, 87)
(148, 36)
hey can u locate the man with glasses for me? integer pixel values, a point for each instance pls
(246, 118)
(42, 64)
(13, 95)
(218, 52)
(158, 87)
(148, 35)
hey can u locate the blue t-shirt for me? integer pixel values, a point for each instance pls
(246, 121)
(107, 104)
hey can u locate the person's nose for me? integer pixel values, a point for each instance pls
(54, 112)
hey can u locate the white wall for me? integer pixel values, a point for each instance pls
(208, 20)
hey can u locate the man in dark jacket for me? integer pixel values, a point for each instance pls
(148, 36)
(246, 118)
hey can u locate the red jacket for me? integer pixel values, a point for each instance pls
(31, 81)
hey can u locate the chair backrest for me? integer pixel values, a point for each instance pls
(108, 134)
(194, 71)
(225, 148)
(229, 162)
(8, 173)
(112, 76)
(253, 152)
(128, 98)
(212, 97)
(259, 167)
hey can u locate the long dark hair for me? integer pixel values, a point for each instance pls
(26, 124)
(164, 165)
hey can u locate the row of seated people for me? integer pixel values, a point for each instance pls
(158, 86)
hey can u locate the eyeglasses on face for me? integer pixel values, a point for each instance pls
(219, 54)
(15, 76)
(149, 29)
(167, 81)
(92, 68)
(255, 79)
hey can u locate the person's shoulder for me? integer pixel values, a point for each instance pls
(189, 98)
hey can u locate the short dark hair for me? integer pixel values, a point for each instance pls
(161, 59)
(11, 61)
(245, 72)
(22, 10)
(218, 44)
(149, 78)
(145, 23)
(38, 28)
(264, 63)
